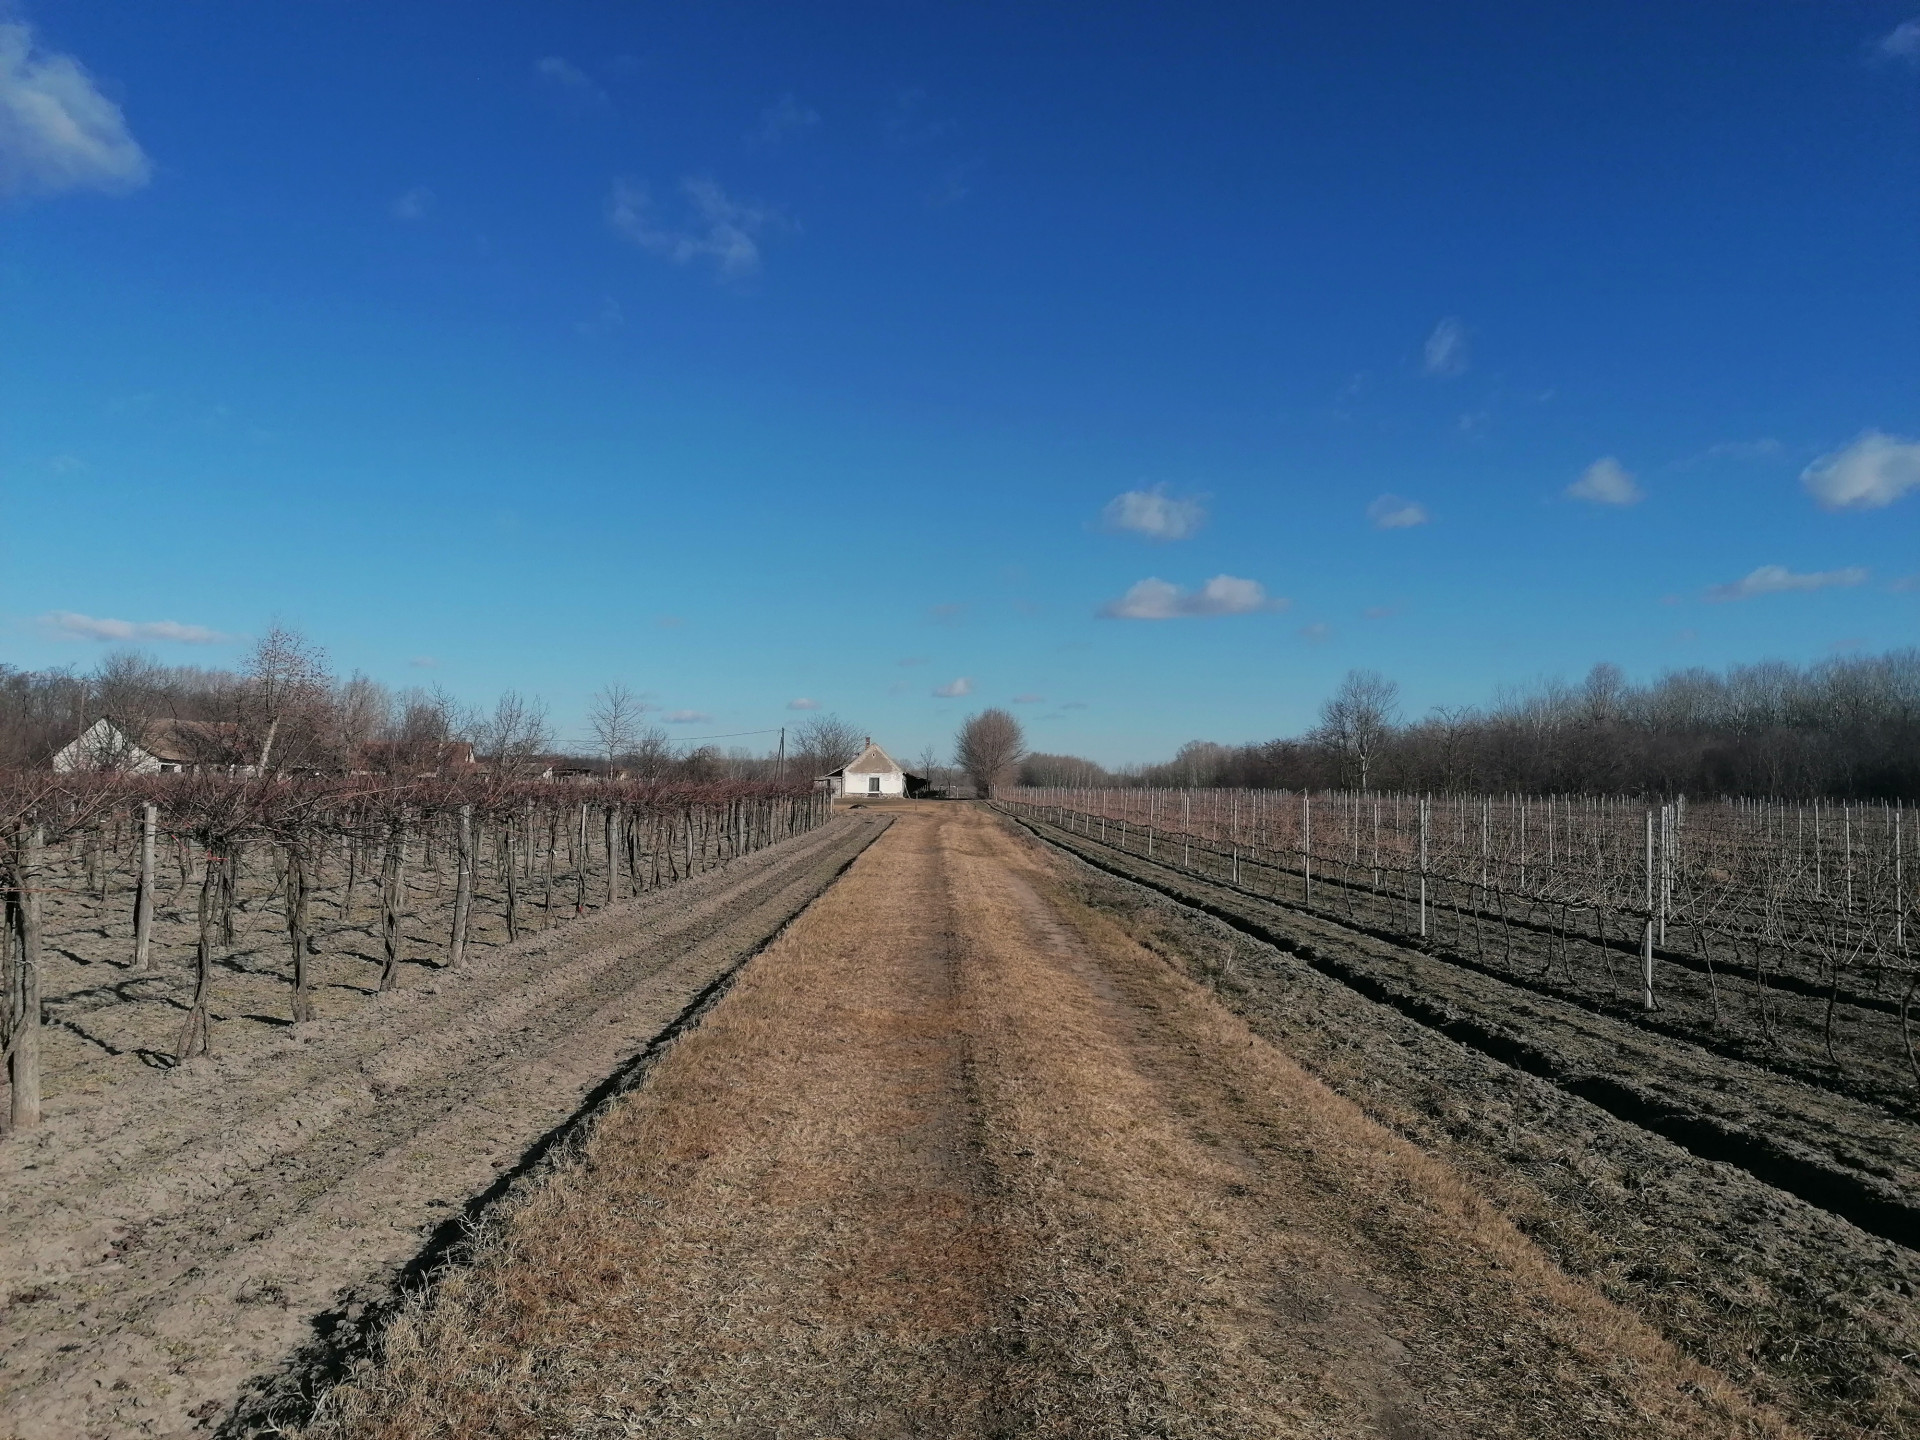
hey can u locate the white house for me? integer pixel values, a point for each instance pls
(873, 772)
(166, 747)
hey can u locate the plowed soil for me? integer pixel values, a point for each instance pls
(1797, 1303)
(957, 1156)
(172, 1238)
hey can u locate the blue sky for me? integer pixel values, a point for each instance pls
(1142, 368)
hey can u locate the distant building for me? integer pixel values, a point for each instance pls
(163, 747)
(422, 759)
(873, 773)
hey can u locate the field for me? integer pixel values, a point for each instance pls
(930, 1120)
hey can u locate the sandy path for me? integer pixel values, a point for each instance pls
(166, 1239)
(955, 1157)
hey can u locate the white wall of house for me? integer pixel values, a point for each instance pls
(884, 782)
(103, 747)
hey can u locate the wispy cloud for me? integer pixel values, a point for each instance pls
(782, 121)
(1906, 584)
(606, 320)
(687, 717)
(1155, 599)
(909, 660)
(1765, 448)
(1379, 612)
(416, 204)
(1313, 634)
(1902, 42)
(1155, 514)
(1075, 705)
(1445, 353)
(1029, 699)
(57, 131)
(571, 85)
(1396, 512)
(1606, 482)
(70, 626)
(1777, 580)
(1875, 470)
(424, 662)
(803, 703)
(954, 689)
(949, 613)
(716, 226)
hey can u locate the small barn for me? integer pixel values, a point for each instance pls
(874, 773)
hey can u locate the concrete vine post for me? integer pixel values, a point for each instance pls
(143, 894)
(1646, 946)
(462, 887)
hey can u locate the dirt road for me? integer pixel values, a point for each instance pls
(169, 1237)
(956, 1157)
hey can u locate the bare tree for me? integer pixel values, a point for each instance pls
(515, 733)
(990, 747)
(1357, 721)
(650, 756)
(615, 718)
(825, 743)
(286, 682)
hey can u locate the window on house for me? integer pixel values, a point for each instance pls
(873, 784)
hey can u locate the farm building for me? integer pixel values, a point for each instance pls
(164, 747)
(873, 772)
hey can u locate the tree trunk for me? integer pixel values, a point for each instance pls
(613, 854)
(512, 871)
(143, 896)
(196, 1033)
(23, 1045)
(392, 902)
(297, 931)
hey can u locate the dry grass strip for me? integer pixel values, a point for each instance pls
(956, 1158)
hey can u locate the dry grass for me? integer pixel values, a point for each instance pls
(956, 1157)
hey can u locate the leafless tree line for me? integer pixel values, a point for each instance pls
(1846, 728)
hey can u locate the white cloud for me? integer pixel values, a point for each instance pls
(69, 626)
(687, 717)
(783, 120)
(570, 83)
(1875, 470)
(1777, 579)
(720, 228)
(414, 205)
(1396, 512)
(1445, 354)
(1155, 514)
(1606, 482)
(954, 689)
(1155, 599)
(57, 131)
(803, 703)
(1902, 42)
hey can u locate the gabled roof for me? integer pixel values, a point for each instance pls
(872, 760)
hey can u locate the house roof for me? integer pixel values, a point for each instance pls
(189, 742)
(873, 761)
